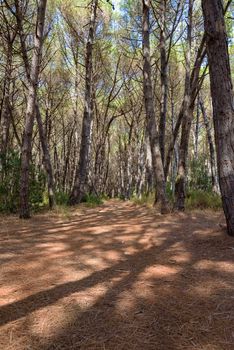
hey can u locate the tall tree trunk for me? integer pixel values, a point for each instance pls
(80, 184)
(196, 132)
(5, 115)
(223, 104)
(187, 120)
(42, 133)
(46, 158)
(30, 111)
(194, 88)
(150, 112)
(174, 164)
(214, 179)
(164, 78)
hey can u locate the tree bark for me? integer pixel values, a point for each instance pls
(42, 133)
(186, 122)
(196, 131)
(164, 78)
(46, 158)
(30, 111)
(215, 187)
(6, 107)
(80, 184)
(194, 88)
(223, 104)
(150, 112)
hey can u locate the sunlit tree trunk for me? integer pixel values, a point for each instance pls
(223, 104)
(150, 112)
(80, 184)
(194, 88)
(5, 117)
(164, 77)
(30, 111)
(187, 120)
(42, 133)
(214, 180)
(46, 158)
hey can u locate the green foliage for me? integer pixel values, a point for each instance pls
(10, 184)
(198, 199)
(144, 199)
(199, 176)
(92, 200)
(37, 188)
(61, 198)
(169, 192)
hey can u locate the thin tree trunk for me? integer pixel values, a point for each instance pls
(214, 179)
(6, 107)
(164, 78)
(223, 104)
(46, 158)
(194, 81)
(150, 113)
(42, 133)
(174, 165)
(30, 111)
(80, 184)
(201, 53)
(180, 190)
(196, 132)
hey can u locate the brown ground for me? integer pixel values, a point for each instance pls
(117, 277)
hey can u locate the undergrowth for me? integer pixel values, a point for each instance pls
(196, 199)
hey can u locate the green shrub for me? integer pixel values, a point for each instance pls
(92, 200)
(37, 189)
(61, 198)
(198, 199)
(199, 178)
(10, 184)
(145, 199)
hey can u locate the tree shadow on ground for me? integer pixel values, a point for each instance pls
(118, 277)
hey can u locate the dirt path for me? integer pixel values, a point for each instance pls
(116, 277)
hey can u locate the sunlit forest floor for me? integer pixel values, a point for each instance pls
(116, 277)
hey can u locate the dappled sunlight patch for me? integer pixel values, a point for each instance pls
(221, 266)
(145, 290)
(126, 303)
(50, 322)
(159, 271)
(96, 262)
(210, 288)
(207, 232)
(181, 258)
(8, 294)
(112, 255)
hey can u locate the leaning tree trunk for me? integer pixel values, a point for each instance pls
(80, 184)
(215, 187)
(187, 121)
(223, 107)
(150, 112)
(46, 158)
(30, 112)
(164, 78)
(42, 134)
(196, 132)
(194, 88)
(6, 107)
